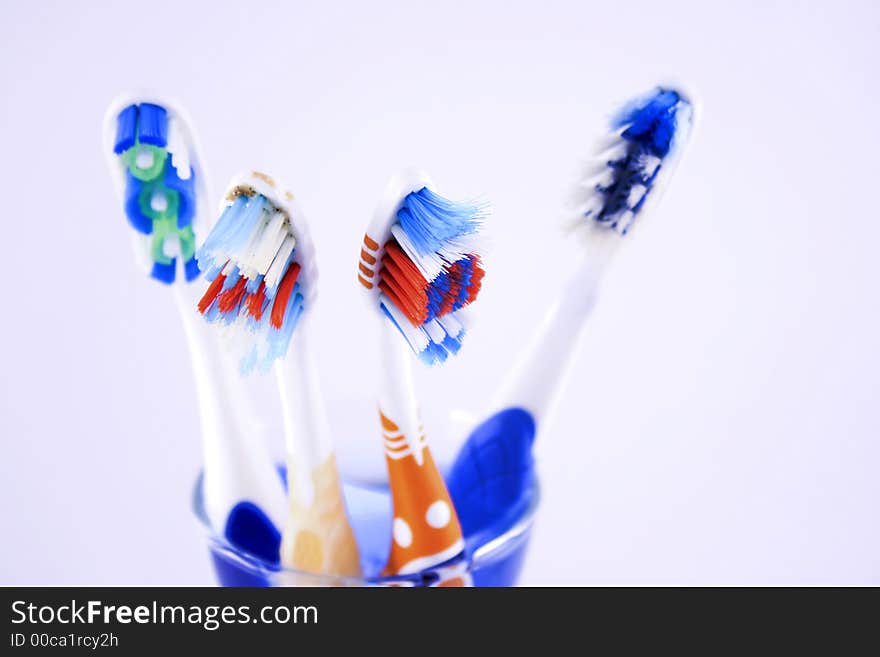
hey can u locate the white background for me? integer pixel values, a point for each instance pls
(721, 422)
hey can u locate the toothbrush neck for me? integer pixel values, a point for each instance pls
(397, 400)
(306, 426)
(536, 380)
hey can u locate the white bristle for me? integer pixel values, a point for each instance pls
(245, 258)
(650, 163)
(451, 324)
(435, 331)
(636, 194)
(431, 265)
(416, 337)
(273, 237)
(265, 244)
(276, 269)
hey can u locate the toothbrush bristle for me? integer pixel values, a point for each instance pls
(429, 271)
(250, 259)
(647, 133)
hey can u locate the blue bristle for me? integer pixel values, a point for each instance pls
(651, 124)
(440, 354)
(277, 340)
(191, 269)
(452, 345)
(212, 273)
(391, 318)
(164, 273)
(212, 314)
(246, 223)
(650, 120)
(152, 125)
(219, 235)
(248, 361)
(629, 172)
(186, 192)
(231, 315)
(126, 127)
(231, 279)
(429, 220)
(467, 271)
(434, 354)
(254, 325)
(253, 284)
(436, 292)
(427, 357)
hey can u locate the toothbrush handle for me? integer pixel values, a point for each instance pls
(536, 380)
(317, 537)
(426, 530)
(237, 466)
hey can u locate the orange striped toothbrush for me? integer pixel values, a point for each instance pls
(420, 265)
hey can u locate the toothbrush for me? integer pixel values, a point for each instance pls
(261, 264)
(628, 175)
(152, 156)
(418, 262)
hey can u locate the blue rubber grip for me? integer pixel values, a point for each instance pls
(152, 125)
(126, 124)
(249, 529)
(494, 473)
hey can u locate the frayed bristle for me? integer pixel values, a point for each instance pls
(647, 133)
(251, 254)
(429, 271)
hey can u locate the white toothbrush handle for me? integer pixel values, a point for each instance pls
(306, 427)
(237, 465)
(536, 380)
(397, 398)
(317, 535)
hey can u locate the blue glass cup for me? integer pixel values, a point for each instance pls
(495, 492)
(493, 556)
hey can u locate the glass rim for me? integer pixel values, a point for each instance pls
(485, 554)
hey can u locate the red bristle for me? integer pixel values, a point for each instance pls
(211, 293)
(407, 267)
(454, 288)
(232, 297)
(254, 302)
(282, 296)
(476, 278)
(404, 284)
(396, 300)
(415, 314)
(390, 269)
(415, 299)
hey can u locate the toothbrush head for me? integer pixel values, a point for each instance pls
(636, 161)
(260, 262)
(420, 258)
(151, 152)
